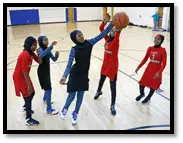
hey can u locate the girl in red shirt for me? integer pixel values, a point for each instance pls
(21, 78)
(110, 63)
(152, 76)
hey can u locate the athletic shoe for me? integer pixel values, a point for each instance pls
(52, 111)
(98, 94)
(146, 100)
(63, 113)
(31, 122)
(113, 111)
(74, 118)
(139, 97)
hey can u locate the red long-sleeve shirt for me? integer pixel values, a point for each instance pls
(157, 64)
(110, 63)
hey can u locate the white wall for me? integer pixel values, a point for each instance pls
(8, 17)
(165, 19)
(89, 13)
(52, 14)
(138, 15)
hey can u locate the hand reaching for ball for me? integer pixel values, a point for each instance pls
(107, 18)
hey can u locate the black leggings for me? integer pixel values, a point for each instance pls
(28, 105)
(112, 86)
(151, 92)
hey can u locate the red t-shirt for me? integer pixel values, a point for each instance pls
(24, 63)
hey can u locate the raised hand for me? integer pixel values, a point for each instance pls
(53, 43)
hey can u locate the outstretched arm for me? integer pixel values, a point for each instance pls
(102, 29)
(94, 40)
(144, 60)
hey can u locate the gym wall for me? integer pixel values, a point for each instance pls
(36, 15)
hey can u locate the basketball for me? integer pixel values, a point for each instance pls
(120, 20)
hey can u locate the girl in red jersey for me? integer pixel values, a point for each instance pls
(110, 63)
(152, 76)
(21, 78)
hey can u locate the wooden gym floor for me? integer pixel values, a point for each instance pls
(94, 115)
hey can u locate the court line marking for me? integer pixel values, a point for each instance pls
(134, 79)
(100, 60)
(150, 126)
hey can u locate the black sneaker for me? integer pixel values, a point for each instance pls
(113, 111)
(146, 100)
(98, 94)
(31, 122)
(139, 97)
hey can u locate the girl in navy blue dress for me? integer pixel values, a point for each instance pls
(78, 73)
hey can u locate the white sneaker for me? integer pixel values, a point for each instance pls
(52, 111)
(74, 118)
(63, 113)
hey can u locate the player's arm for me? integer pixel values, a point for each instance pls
(94, 40)
(164, 61)
(68, 67)
(54, 58)
(144, 60)
(37, 58)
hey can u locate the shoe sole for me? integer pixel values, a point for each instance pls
(74, 123)
(140, 98)
(31, 124)
(63, 118)
(52, 113)
(147, 102)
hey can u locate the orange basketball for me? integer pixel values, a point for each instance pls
(120, 20)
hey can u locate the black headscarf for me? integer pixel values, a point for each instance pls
(29, 41)
(73, 37)
(40, 40)
(162, 40)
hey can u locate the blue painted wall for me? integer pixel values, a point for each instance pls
(18, 17)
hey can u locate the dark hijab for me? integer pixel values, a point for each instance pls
(73, 37)
(29, 41)
(162, 39)
(40, 40)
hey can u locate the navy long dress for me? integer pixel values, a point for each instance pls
(78, 78)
